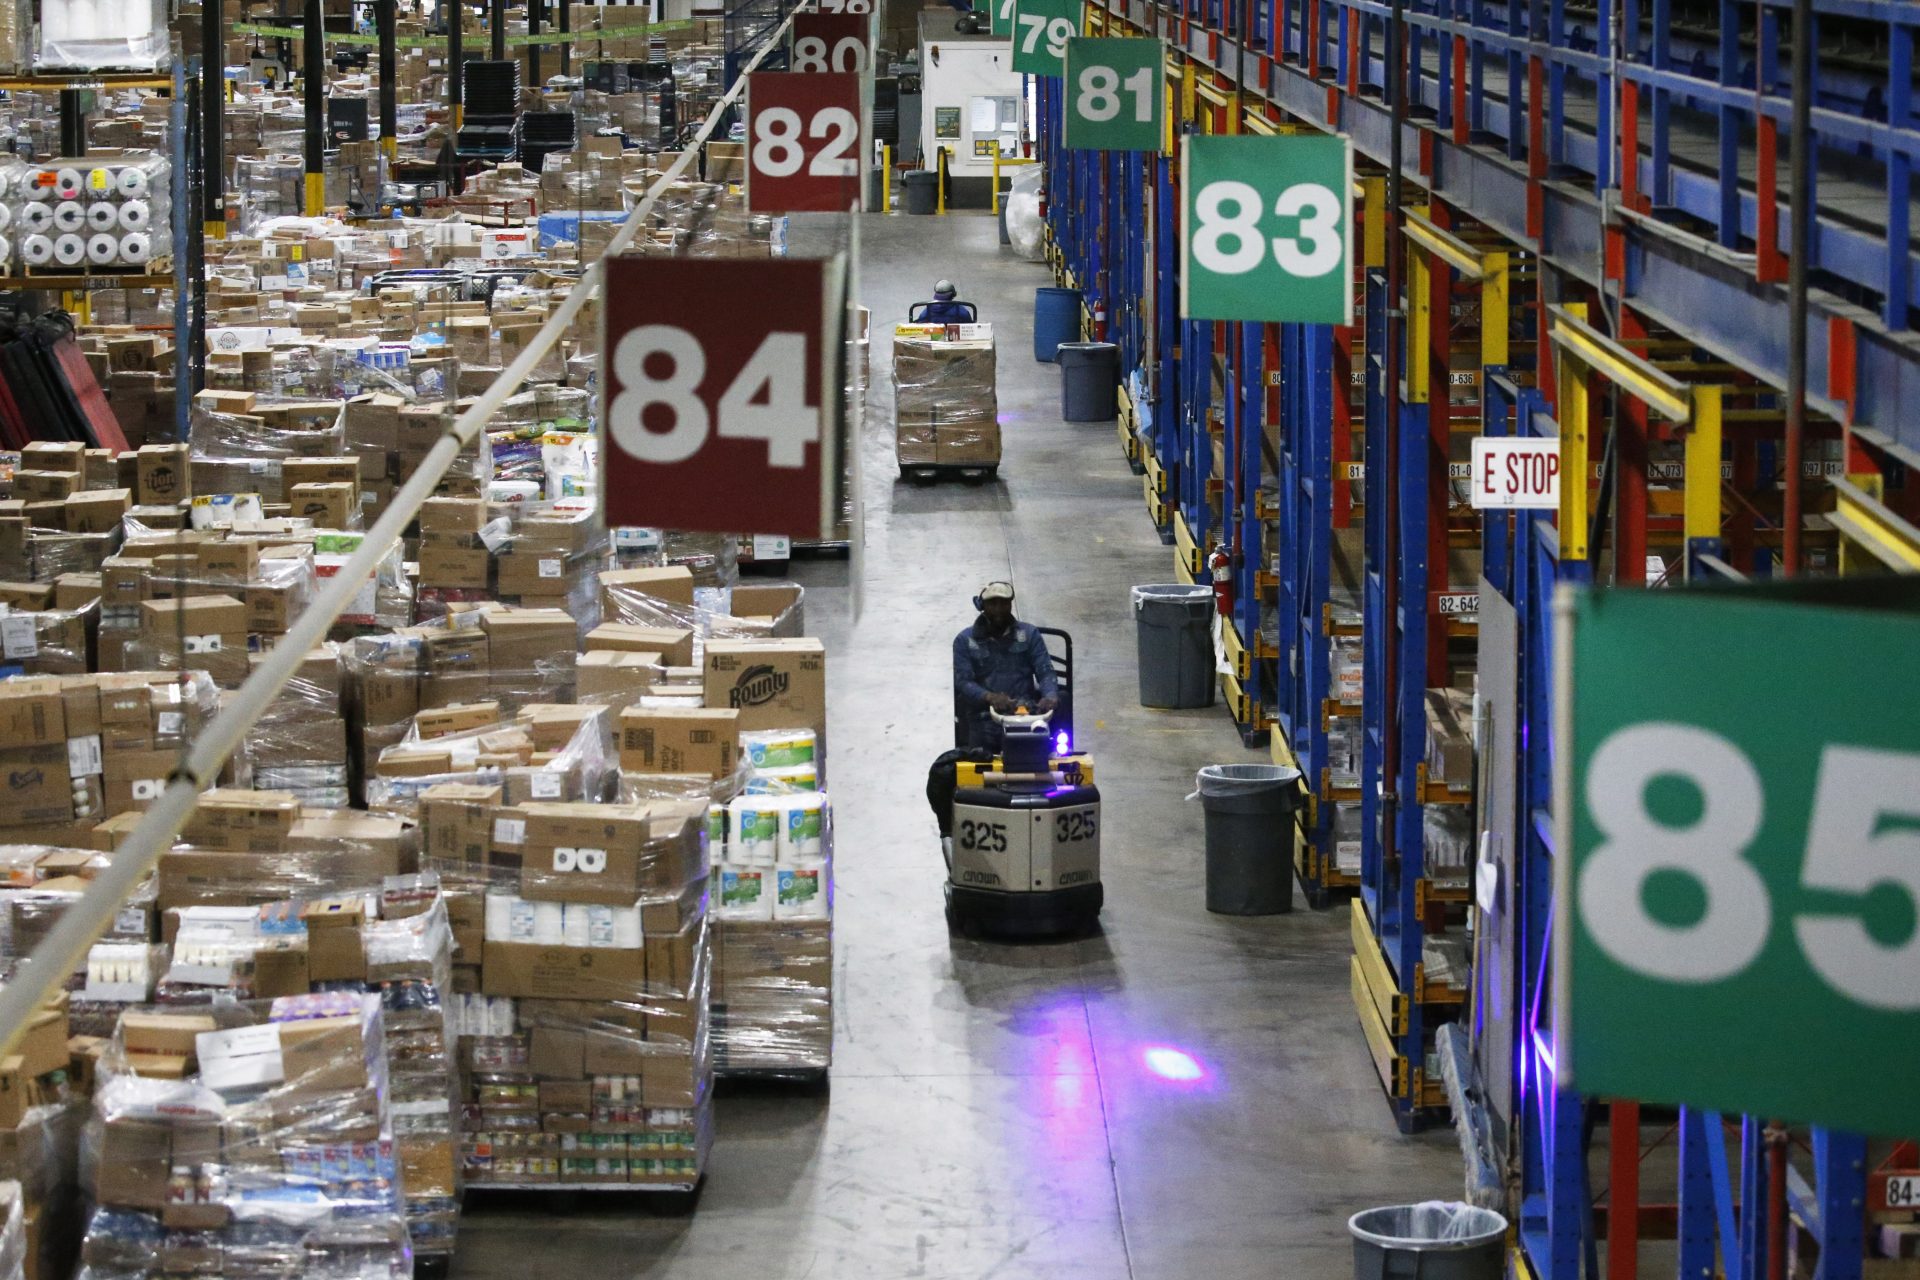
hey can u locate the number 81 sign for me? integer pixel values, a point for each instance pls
(1116, 93)
(1267, 231)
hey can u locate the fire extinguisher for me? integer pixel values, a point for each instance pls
(1220, 563)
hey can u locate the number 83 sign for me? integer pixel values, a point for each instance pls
(1267, 231)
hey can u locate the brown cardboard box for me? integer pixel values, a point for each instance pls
(280, 968)
(239, 820)
(567, 1095)
(32, 713)
(555, 1053)
(373, 423)
(165, 474)
(457, 820)
(163, 1033)
(671, 585)
(35, 786)
(452, 566)
(661, 913)
(456, 668)
(213, 615)
(339, 470)
(452, 517)
(325, 1054)
(45, 486)
(54, 455)
(615, 676)
(97, 510)
(329, 506)
(465, 718)
(531, 969)
(774, 683)
(531, 652)
(565, 840)
(135, 1160)
(673, 644)
(680, 740)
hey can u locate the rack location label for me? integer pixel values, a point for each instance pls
(1515, 474)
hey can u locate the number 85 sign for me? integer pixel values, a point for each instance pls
(1267, 231)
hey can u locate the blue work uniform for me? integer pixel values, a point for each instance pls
(938, 312)
(1015, 663)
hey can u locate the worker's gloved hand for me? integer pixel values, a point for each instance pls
(1000, 702)
(1045, 705)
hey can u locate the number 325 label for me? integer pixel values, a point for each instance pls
(1268, 229)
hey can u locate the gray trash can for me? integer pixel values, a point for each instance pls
(1437, 1240)
(919, 191)
(1173, 627)
(1089, 381)
(1249, 837)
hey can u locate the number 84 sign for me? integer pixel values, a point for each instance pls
(1267, 231)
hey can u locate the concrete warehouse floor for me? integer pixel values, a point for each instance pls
(994, 1113)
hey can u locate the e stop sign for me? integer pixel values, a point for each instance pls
(1515, 474)
(721, 393)
(803, 142)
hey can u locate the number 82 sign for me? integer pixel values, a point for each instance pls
(1267, 231)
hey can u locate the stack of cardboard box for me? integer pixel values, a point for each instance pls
(595, 947)
(207, 1123)
(945, 402)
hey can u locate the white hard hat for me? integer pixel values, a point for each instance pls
(997, 591)
(943, 289)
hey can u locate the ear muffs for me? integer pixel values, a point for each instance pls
(978, 603)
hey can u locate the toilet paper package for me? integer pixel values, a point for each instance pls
(102, 35)
(746, 892)
(803, 825)
(802, 892)
(717, 833)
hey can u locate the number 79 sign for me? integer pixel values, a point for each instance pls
(1267, 231)
(721, 393)
(1041, 29)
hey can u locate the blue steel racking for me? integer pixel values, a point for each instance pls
(1648, 212)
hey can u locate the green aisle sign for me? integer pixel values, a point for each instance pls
(1041, 29)
(1116, 93)
(1738, 794)
(1268, 229)
(1001, 15)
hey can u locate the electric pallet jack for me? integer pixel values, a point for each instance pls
(1023, 856)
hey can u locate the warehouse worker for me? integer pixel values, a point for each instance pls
(944, 309)
(999, 665)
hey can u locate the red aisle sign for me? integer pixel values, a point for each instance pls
(829, 42)
(713, 376)
(803, 142)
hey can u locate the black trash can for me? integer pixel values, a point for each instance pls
(919, 191)
(1437, 1240)
(1173, 628)
(1249, 837)
(1089, 381)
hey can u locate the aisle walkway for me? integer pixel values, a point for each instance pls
(1184, 1096)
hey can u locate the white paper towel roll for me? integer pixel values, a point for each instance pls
(102, 185)
(69, 215)
(136, 246)
(36, 250)
(103, 217)
(103, 249)
(134, 215)
(36, 218)
(68, 184)
(69, 251)
(6, 250)
(6, 216)
(134, 182)
(549, 924)
(30, 187)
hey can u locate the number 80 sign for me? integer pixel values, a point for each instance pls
(1267, 232)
